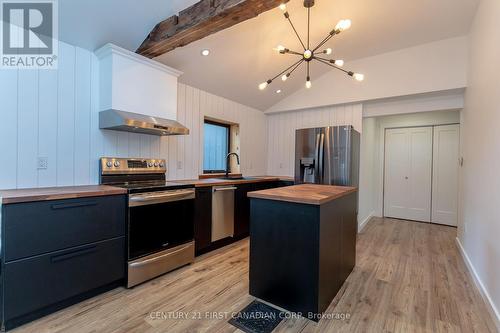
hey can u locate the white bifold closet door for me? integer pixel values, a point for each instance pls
(445, 174)
(408, 173)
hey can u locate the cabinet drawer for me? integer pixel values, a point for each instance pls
(41, 227)
(32, 284)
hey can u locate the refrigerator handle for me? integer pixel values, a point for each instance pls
(321, 159)
(316, 158)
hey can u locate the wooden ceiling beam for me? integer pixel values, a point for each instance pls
(200, 20)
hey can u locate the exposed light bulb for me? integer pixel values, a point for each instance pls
(339, 63)
(307, 54)
(279, 48)
(284, 77)
(359, 77)
(343, 25)
(283, 7)
(263, 85)
(278, 91)
(308, 84)
(328, 51)
(205, 52)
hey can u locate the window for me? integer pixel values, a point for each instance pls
(216, 146)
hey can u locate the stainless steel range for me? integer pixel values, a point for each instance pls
(160, 216)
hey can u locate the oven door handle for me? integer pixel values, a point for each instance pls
(161, 256)
(160, 197)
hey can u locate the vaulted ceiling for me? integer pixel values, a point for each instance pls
(242, 57)
(93, 23)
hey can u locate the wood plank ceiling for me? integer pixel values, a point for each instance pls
(200, 20)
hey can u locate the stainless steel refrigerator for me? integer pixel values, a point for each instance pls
(327, 155)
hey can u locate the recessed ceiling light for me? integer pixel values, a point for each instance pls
(278, 91)
(205, 52)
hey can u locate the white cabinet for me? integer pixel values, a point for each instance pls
(133, 83)
(408, 173)
(421, 174)
(445, 175)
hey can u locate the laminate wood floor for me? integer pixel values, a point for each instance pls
(409, 277)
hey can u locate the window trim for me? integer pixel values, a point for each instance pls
(221, 124)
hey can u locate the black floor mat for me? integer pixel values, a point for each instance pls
(257, 317)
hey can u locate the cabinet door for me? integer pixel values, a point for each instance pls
(203, 218)
(445, 175)
(242, 210)
(408, 173)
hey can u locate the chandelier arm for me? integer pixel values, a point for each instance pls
(294, 52)
(327, 63)
(296, 66)
(308, 69)
(319, 58)
(326, 39)
(295, 30)
(281, 73)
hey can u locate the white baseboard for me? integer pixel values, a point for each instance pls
(495, 315)
(365, 221)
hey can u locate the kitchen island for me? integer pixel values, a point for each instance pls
(302, 245)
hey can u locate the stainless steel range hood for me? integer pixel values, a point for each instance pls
(133, 122)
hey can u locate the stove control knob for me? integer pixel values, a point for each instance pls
(150, 164)
(156, 164)
(117, 164)
(162, 164)
(109, 164)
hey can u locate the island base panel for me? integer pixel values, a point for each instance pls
(300, 254)
(283, 254)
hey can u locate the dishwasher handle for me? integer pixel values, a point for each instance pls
(224, 188)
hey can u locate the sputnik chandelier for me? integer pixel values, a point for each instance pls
(309, 53)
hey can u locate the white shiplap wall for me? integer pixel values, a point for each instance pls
(54, 114)
(194, 105)
(281, 132)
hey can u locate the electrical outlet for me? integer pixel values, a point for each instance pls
(42, 163)
(281, 165)
(179, 165)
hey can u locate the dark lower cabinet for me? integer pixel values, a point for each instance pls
(242, 210)
(264, 186)
(58, 253)
(63, 224)
(282, 183)
(242, 205)
(203, 214)
(203, 219)
(42, 280)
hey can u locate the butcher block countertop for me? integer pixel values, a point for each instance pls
(312, 194)
(223, 182)
(57, 193)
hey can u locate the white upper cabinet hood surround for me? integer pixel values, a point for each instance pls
(137, 94)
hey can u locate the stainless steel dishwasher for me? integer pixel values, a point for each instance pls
(222, 212)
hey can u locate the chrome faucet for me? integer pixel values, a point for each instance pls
(227, 162)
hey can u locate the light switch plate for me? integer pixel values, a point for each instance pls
(42, 163)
